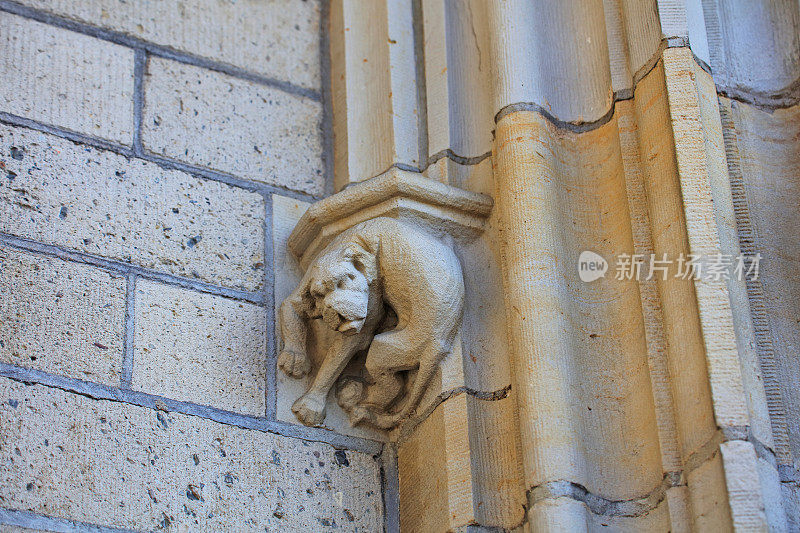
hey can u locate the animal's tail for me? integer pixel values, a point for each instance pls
(421, 381)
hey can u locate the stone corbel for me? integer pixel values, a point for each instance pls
(382, 276)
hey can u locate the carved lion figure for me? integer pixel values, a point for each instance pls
(368, 274)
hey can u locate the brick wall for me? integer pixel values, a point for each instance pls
(142, 148)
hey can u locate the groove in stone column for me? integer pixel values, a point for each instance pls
(422, 88)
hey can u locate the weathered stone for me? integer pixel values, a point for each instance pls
(66, 79)
(59, 192)
(285, 214)
(436, 492)
(256, 132)
(61, 317)
(374, 246)
(113, 464)
(273, 38)
(198, 347)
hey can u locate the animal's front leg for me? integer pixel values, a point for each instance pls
(293, 359)
(310, 407)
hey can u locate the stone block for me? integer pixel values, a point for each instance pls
(66, 79)
(200, 348)
(114, 464)
(255, 132)
(101, 203)
(436, 482)
(61, 317)
(273, 38)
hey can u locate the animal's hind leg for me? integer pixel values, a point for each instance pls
(310, 407)
(431, 355)
(391, 352)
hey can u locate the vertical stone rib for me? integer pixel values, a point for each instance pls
(373, 74)
(762, 44)
(579, 350)
(553, 54)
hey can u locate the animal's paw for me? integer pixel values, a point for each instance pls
(295, 364)
(349, 392)
(309, 410)
(360, 415)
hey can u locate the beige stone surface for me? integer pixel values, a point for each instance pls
(496, 466)
(744, 491)
(114, 464)
(436, 483)
(559, 193)
(66, 79)
(487, 361)
(651, 301)
(255, 132)
(694, 136)
(566, 514)
(275, 38)
(708, 496)
(686, 356)
(200, 348)
(459, 85)
(376, 114)
(101, 203)
(61, 317)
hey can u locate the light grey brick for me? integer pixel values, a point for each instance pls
(66, 79)
(275, 38)
(201, 348)
(58, 192)
(116, 464)
(213, 120)
(61, 317)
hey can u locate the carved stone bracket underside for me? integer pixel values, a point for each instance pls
(380, 305)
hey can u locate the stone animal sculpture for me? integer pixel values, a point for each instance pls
(386, 287)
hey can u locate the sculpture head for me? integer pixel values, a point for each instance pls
(339, 287)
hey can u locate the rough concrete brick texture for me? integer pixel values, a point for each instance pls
(66, 79)
(115, 464)
(275, 38)
(59, 192)
(217, 121)
(198, 347)
(61, 317)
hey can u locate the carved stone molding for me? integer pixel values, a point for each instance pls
(382, 276)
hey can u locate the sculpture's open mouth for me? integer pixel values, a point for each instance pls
(351, 327)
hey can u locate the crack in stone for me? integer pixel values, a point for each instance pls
(412, 423)
(601, 506)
